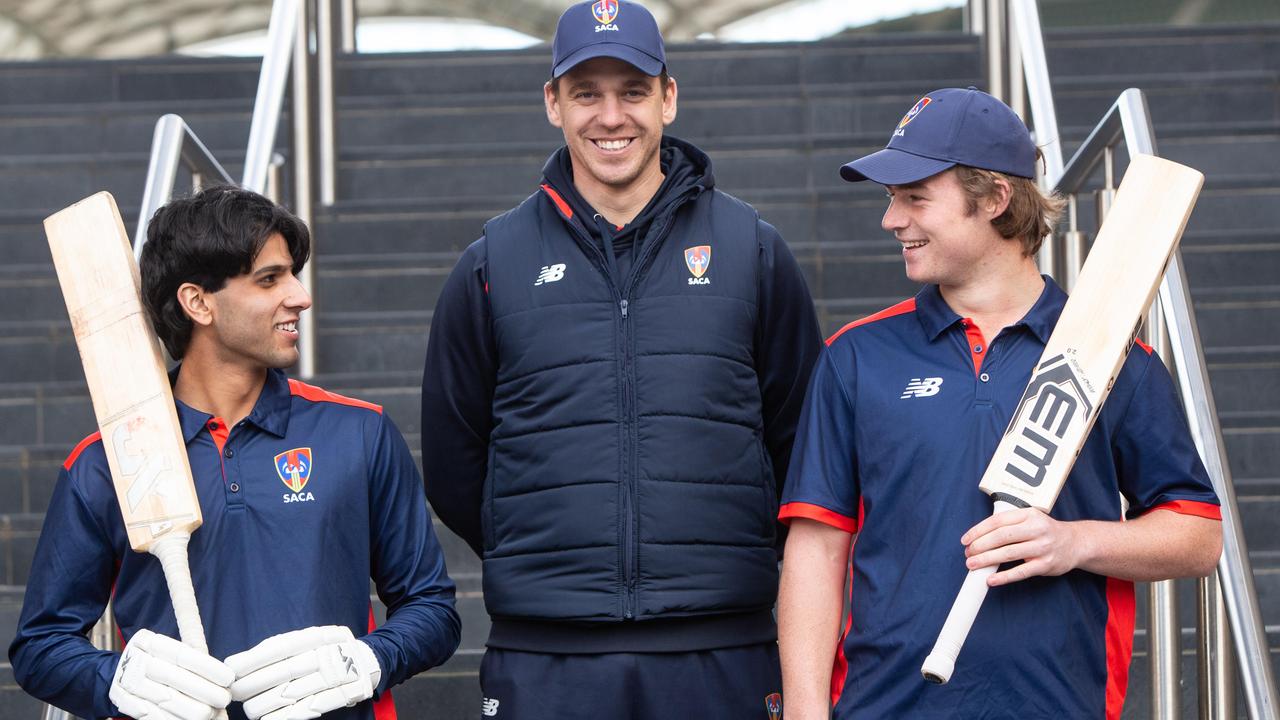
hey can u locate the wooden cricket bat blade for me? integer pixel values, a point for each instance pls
(124, 370)
(1080, 363)
(131, 396)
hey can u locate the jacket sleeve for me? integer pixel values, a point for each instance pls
(788, 343)
(458, 383)
(68, 589)
(407, 564)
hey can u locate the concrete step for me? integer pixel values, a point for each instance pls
(1165, 50)
(223, 126)
(705, 66)
(161, 79)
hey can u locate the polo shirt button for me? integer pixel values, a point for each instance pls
(235, 487)
(977, 348)
(229, 452)
(213, 426)
(984, 377)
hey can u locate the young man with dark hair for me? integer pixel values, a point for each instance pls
(612, 383)
(306, 495)
(904, 411)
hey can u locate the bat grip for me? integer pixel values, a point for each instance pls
(941, 662)
(171, 551)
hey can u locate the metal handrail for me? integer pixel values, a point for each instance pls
(272, 79)
(1129, 120)
(173, 144)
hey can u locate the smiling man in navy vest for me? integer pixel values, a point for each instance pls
(613, 380)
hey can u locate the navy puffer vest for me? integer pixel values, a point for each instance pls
(627, 476)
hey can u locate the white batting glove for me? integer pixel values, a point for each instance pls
(303, 674)
(159, 678)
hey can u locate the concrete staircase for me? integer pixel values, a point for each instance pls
(432, 145)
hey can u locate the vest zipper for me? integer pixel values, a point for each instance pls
(630, 545)
(626, 551)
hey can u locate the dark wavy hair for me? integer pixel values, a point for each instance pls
(206, 239)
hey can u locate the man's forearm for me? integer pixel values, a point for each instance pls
(1157, 546)
(809, 607)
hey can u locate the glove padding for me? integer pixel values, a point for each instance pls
(303, 674)
(159, 678)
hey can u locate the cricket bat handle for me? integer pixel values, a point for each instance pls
(941, 662)
(171, 551)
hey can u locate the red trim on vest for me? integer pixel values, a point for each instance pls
(1119, 639)
(840, 669)
(902, 308)
(1192, 507)
(315, 394)
(1145, 347)
(71, 459)
(384, 708)
(818, 513)
(559, 201)
(977, 344)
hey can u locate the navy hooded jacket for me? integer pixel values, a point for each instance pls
(610, 430)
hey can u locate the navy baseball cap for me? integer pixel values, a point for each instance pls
(607, 28)
(946, 128)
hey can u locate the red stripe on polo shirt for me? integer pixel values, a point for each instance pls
(1192, 507)
(1121, 610)
(977, 344)
(818, 513)
(902, 308)
(840, 668)
(315, 394)
(1145, 347)
(75, 453)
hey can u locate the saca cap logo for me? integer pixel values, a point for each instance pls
(920, 105)
(605, 11)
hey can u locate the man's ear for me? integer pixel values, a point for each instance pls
(196, 303)
(549, 99)
(998, 202)
(669, 102)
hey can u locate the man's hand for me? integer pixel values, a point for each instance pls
(1046, 546)
(303, 674)
(159, 678)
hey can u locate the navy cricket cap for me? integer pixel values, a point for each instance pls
(607, 28)
(946, 128)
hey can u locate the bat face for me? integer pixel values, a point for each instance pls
(1094, 334)
(124, 370)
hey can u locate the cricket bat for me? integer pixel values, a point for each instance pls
(131, 396)
(1084, 354)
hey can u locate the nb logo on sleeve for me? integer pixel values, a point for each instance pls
(550, 274)
(921, 387)
(489, 706)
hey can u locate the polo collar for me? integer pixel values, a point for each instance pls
(270, 413)
(936, 315)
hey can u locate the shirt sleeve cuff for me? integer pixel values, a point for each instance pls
(1191, 507)
(818, 513)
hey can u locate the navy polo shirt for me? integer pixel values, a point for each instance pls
(903, 413)
(304, 501)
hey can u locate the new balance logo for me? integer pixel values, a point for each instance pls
(550, 273)
(921, 387)
(489, 706)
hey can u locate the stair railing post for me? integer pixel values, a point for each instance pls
(302, 187)
(1164, 632)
